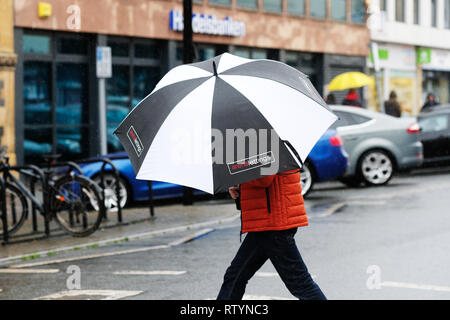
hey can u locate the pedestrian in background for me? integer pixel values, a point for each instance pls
(392, 107)
(331, 99)
(430, 102)
(272, 208)
(352, 99)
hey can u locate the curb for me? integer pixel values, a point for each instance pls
(125, 238)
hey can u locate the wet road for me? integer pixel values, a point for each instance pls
(390, 242)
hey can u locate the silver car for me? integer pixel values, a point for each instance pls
(377, 144)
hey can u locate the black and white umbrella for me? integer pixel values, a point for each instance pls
(224, 121)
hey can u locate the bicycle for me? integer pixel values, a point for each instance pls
(73, 200)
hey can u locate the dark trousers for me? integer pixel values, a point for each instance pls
(280, 248)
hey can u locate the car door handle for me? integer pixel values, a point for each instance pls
(350, 138)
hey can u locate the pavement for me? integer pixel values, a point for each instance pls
(137, 223)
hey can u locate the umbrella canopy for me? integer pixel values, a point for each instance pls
(348, 80)
(224, 121)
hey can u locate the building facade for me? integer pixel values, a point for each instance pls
(57, 94)
(413, 40)
(8, 61)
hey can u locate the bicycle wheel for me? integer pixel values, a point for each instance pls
(77, 204)
(16, 209)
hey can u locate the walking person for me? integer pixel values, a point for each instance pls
(272, 208)
(352, 99)
(392, 107)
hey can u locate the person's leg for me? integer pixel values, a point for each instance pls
(286, 258)
(247, 261)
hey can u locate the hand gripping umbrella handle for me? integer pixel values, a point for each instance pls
(238, 202)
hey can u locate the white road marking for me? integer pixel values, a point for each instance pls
(333, 209)
(13, 270)
(191, 237)
(405, 285)
(273, 274)
(254, 297)
(108, 294)
(92, 256)
(150, 273)
(266, 274)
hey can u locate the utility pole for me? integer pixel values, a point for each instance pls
(188, 57)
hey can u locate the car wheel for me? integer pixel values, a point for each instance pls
(110, 191)
(376, 167)
(306, 179)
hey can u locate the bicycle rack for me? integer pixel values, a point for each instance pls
(150, 189)
(3, 210)
(103, 170)
(37, 175)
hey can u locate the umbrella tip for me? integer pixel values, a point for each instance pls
(215, 68)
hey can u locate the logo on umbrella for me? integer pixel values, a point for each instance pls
(251, 163)
(135, 141)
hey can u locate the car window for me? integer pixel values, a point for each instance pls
(348, 119)
(434, 123)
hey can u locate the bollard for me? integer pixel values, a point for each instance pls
(3, 210)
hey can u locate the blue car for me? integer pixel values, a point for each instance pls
(327, 161)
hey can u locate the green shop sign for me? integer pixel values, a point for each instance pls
(423, 55)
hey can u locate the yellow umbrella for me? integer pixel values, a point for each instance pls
(349, 80)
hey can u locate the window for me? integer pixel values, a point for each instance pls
(447, 14)
(434, 123)
(400, 10)
(382, 5)
(36, 44)
(416, 11)
(248, 4)
(221, 2)
(55, 95)
(318, 9)
(433, 13)
(358, 11)
(296, 7)
(135, 72)
(339, 10)
(251, 53)
(348, 119)
(273, 5)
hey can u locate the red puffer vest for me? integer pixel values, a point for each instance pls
(273, 203)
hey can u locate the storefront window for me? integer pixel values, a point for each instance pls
(36, 44)
(144, 50)
(272, 5)
(318, 9)
(144, 80)
(71, 93)
(72, 45)
(358, 11)
(221, 2)
(55, 121)
(296, 7)
(244, 53)
(132, 80)
(339, 10)
(248, 4)
(119, 49)
(36, 93)
(206, 53)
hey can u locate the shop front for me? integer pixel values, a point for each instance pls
(435, 65)
(399, 74)
(57, 93)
